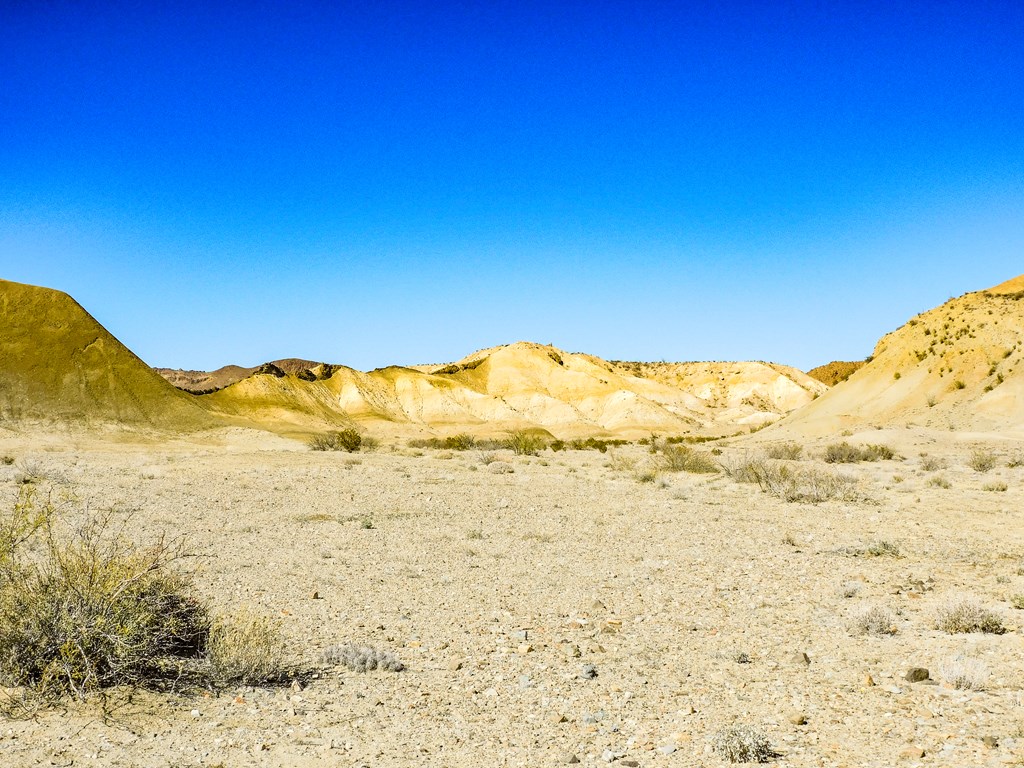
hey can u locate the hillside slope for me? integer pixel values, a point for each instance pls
(57, 364)
(959, 366)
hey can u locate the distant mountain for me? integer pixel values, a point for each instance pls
(959, 366)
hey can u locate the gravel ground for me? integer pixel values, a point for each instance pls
(561, 611)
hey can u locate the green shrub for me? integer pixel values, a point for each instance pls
(90, 610)
(844, 453)
(343, 440)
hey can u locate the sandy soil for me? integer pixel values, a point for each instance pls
(691, 597)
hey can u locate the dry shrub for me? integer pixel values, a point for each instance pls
(743, 744)
(683, 458)
(619, 462)
(245, 648)
(964, 674)
(343, 440)
(932, 464)
(981, 460)
(785, 451)
(876, 620)
(966, 615)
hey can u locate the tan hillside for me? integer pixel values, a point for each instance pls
(836, 371)
(958, 366)
(526, 385)
(60, 365)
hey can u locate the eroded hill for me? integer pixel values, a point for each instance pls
(958, 366)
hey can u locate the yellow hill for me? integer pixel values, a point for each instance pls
(60, 365)
(958, 366)
(526, 385)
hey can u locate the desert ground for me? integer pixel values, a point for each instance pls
(565, 607)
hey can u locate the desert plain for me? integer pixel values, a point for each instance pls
(557, 607)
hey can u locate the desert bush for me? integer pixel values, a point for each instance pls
(785, 451)
(342, 440)
(932, 464)
(6, 460)
(683, 458)
(981, 460)
(963, 673)
(965, 615)
(620, 462)
(876, 620)
(844, 453)
(361, 658)
(997, 487)
(882, 548)
(245, 648)
(1017, 601)
(82, 609)
(525, 443)
(742, 744)
(939, 482)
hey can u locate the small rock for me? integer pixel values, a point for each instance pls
(588, 672)
(631, 763)
(797, 718)
(912, 753)
(454, 665)
(990, 741)
(868, 681)
(525, 682)
(800, 658)
(608, 756)
(570, 759)
(500, 468)
(558, 718)
(316, 596)
(196, 713)
(524, 649)
(667, 749)
(916, 675)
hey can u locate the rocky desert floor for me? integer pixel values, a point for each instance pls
(558, 608)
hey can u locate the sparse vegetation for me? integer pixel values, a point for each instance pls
(997, 487)
(808, 485)
(342, 440)
(932, 464)
(743, 744)
(940, 482)
(966, 615)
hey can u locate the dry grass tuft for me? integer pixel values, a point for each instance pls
(743, 744)
(876, 620)
(247, 649)
(964, 674)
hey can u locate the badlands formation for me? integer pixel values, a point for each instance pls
(560, 607)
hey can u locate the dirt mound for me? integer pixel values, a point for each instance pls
(60, 365)
(958, 366)
(836, 371)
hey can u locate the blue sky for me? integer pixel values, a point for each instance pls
(399, 182)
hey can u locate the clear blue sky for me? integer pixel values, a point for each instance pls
(399, 182)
